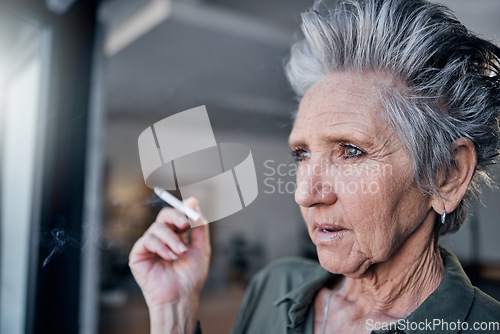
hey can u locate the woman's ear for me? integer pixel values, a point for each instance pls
(453, 185)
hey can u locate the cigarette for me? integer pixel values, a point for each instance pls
(175, 203)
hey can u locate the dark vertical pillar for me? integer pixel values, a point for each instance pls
(53, 305)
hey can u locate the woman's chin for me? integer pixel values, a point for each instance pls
(331, 261)
(337, 262)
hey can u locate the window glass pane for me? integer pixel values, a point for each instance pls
(20, 89)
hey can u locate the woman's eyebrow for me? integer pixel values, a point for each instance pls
(296, 139)
(350, 137)
(296, 142)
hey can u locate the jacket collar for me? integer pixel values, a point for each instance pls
(449, 303)
(300, 299)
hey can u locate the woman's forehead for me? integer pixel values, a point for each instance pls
(349, 100)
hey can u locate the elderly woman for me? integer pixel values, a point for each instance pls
(398, 120)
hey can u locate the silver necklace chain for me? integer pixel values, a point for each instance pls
(326, 310)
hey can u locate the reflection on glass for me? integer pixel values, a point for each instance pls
(20, 75)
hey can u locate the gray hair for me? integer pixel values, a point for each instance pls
(452, 78)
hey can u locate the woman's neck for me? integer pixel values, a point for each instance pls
(397, 287)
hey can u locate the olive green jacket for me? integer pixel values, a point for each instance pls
(279, 299)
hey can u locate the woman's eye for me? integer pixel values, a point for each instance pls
(300, 154)
(351, 151)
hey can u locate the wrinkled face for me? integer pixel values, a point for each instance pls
(354, 183)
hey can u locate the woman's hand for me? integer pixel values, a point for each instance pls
(170, 272)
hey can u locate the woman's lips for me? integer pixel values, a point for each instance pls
(328, 232)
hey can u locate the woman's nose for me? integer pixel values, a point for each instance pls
(315, 185)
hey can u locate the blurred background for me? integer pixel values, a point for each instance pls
(81, 79)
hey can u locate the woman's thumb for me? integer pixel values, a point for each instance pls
(200, 236)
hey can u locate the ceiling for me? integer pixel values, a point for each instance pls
(228, 55)
(225, 54)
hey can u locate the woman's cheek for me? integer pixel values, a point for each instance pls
(358, 185)
(364, 203)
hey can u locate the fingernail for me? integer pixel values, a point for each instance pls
(182, 221)
(181, 248)
(172, 255)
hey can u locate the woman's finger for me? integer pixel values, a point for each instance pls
(154, 245)
(173, 217)
(163, 232)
